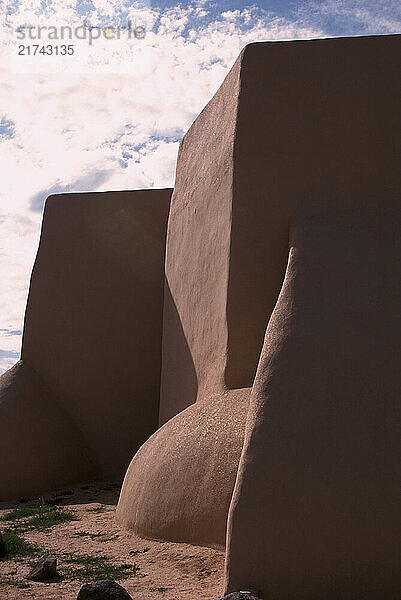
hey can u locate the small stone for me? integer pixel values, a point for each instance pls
(3, 549)
(44, 570)
(250, 594)
(103, 590)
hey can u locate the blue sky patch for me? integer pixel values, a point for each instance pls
(9, 354)
(11, 331)
(7, 128)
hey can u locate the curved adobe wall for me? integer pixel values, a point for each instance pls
(178, 486)
(198, 255)
(315, 512)
(40, 447)
(292, 121)
(92, 336)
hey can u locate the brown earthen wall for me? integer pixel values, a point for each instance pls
(92, 333)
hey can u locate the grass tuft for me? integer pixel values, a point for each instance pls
(51, 517)
(40, 518)
(21, 513)
(98, 509)
(92, 536)
(16, 546)
(84, 567)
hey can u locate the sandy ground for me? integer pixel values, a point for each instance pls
(167, 571)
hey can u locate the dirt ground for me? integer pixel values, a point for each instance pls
(163, 571)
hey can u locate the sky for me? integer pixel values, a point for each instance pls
(111, 115)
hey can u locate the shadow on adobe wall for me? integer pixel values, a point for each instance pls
(181, 364)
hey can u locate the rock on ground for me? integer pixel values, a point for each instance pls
(3, 549)
(44, 570)
(246, 595)
(103, 590)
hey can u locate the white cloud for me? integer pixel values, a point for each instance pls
(111, 115)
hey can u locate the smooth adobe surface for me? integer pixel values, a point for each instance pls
(198, 256)
(293, 123)
(315, 500)
(316, 507)
(92, 332)
(179, 485)
(40, 446)
(314, 118)
(292, 120)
